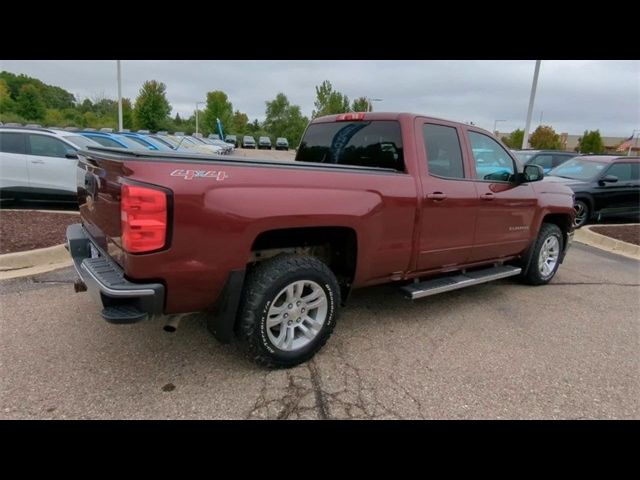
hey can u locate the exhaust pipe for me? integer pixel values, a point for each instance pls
(79, 286)
(172, 324)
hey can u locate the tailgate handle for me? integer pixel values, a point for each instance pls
(437, 196)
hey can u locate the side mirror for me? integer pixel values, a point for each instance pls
(71, 155)
(608, 179)
(532, 173)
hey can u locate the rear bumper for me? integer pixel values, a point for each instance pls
(123, 301)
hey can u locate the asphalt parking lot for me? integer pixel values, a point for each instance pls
(568, 350)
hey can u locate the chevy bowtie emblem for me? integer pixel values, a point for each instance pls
(191, 174)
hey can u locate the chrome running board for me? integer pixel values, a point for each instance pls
(462, 280)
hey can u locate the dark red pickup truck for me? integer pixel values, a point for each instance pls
(272, 249)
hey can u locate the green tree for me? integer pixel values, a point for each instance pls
(54, 118)
(284, 120)
(152, 107)
(6, 102)
(545, 138)
(218, 106)
(295, 127)
(328, 101)
(590, 142)
(360, 104)
(514, 140)
(29, 103)
(127, 114)
(239, 123)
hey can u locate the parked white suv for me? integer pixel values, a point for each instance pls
(39, 163)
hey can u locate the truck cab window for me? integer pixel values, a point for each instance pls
(376, 143)
(492, 162)
(444, 155)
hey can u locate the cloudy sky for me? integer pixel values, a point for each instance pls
(572, 95)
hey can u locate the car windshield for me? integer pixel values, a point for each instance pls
(579, 169)
(81, 142)
(163, 141)
(524, 157)
(157, 143)
(130, 143)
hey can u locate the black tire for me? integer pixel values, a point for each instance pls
(261, 288)
(582, 209)
(534, 276)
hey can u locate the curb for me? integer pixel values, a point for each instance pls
(587, 236)
(32, 262)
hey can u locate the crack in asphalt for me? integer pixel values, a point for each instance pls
(60, 282)
(317, 390)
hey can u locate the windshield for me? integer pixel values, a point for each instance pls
(81, 142)
(167, 140)
(579, 169)
(158, 144)
(130, 143)
(524, 157)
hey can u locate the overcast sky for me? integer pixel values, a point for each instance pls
(572, 95)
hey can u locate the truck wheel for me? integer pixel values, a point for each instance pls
(289, 310)
(545, 255)
(582, 213)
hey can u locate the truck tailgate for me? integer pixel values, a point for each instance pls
(99, 189)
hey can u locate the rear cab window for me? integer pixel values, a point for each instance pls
(444, 154)
(371, 143)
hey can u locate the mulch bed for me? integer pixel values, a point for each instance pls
(626, 233)
(26, 230)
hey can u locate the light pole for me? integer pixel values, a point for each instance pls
(525, 137)
(632, 135)
(198, 103)
(495, 125)
(119, 99)
(369, 100)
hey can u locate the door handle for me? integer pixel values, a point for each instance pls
(488, 196)
(37, 161)
(437, 196)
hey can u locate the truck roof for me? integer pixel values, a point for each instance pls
(384, 116)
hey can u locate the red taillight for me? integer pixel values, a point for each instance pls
(143, 212)
(346, 117)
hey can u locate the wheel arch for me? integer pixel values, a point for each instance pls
(337, 246)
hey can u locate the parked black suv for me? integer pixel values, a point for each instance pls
(604, 186)
(547, 159)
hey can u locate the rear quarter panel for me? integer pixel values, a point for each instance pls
(216, 220)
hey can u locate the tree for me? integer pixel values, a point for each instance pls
(152, 107)
(328, 101)
(514, 140)
(590, 142)
(239, 123)
(6, 102)
(218, 106)
(54, 118)
(29, 103)
(127, 114)
(545, 138)
(284, 120)
(360, 104)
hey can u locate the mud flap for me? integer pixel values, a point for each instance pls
(221, 321)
